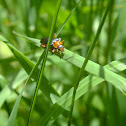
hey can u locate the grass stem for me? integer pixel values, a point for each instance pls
(44, 60)
(86, 61)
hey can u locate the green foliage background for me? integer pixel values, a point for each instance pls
(101, 105)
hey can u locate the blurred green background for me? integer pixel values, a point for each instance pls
(33, 18)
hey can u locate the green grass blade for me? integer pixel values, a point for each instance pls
(97, 70)
(94, 68)
(65, 101)
(16, 105)
(59, 30)
(40, 80)
(31, 40)
(117, 66)
(28, 66)
(89, 53)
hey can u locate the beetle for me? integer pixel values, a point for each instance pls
(56, 44)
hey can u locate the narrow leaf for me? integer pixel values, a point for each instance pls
(65, 101)
(40, 80)
(28, 66)
(95, 69)
(16, 105)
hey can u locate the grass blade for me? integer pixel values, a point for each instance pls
(28, 66)
(16, 105)
(44, 60)
(65, 101)
(31, 40)
(97, 70)
(94, 68)
(86, 61)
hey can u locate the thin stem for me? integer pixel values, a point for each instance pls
(86, 61)
(110, 100)
(44, 60)
(15, 108)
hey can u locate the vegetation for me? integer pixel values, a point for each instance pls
(86, 86)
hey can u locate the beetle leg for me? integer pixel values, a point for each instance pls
(62, 42)
(54, 51)
(54, 35)
(59, 54)
(51, 49)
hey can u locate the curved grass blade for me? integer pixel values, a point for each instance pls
(86, 61)
(117, 66)
(16, 105)
(31, 40)
(65, 101)
(40, 80)
(95, 69)
(28, 66)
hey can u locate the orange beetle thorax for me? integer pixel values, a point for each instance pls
(56, 44)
